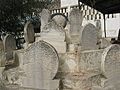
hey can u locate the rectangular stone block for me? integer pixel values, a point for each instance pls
(90, 60)
(101, 88)
(43, 85)
(60, 46)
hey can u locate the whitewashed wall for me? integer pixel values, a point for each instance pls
(65, 3)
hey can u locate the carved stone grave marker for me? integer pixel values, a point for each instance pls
(40, 65)
(9, 43)
(89, 38)
(75, 18)
(29, 34)
(45, 17)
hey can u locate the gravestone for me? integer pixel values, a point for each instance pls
(9, 43)
(45, 17)
(40, 66)
(54, 35)
(60, 19)
(102, 66)
(111, 61)
(75, 19)
(89, 38)
(105, 60)
(29, 34)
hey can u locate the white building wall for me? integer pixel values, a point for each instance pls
(113, 26)
(66, 3)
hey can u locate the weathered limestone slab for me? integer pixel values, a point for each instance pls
(106, 60)
(90, 60)
(60, 19)
(29, 34)
(9, 43)
(43, 57)
(54, 35)
(110, 63)
(43, 84)
(75, 18)
(102, 66)
(40, 66)
(17, 87)
(76, 82)
(101, 88)
(89, 38)
(45, 17)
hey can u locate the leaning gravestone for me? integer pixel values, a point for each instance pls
(60, 19)
(45, 17)
(29, 34)
(9, 43)
(75, 19)
(89, 38)
(40, 65)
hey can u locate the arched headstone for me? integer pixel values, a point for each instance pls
(29, 34)
(89, 37)
(9, 43)
(111, 61)
(40, 64)
(45, 17)
(75, 19)
(60, 19)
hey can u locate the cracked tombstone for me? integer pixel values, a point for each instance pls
(40, 65)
